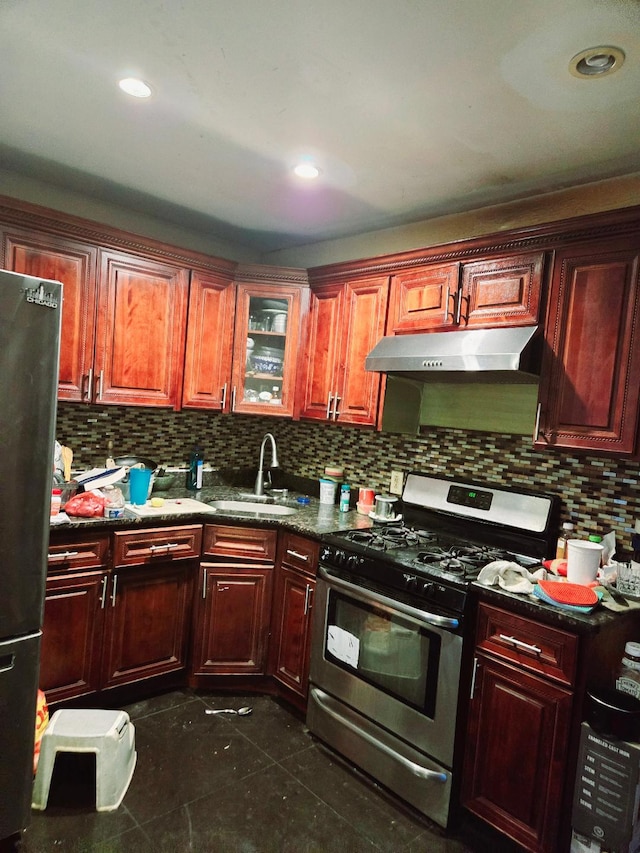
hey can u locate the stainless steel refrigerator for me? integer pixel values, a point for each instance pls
(30, 317)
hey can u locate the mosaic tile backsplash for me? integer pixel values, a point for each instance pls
(598, 493)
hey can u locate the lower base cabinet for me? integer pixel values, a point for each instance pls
(71, 649)
(292, 608)
(147, 622)
(233, 601)
(515, 766)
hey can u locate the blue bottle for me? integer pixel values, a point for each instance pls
(194, 474)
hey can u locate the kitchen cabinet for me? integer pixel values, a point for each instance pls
(148, 610)
(265, 351)
(519, 724)
(74, 264)
(346, 320)
(140, 331)
(504, 291)
(233, 601)
(207, 369)
(72, 630)
(589, 392)
(292, 607)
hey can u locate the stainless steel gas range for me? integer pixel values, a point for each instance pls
(393, 629)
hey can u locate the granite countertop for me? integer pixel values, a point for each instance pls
(312, 519)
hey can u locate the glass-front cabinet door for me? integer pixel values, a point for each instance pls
(266, 349)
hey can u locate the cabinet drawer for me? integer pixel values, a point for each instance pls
(74, 552)
(527, 643)
(157, 544)
(299, 553)
(246, 543)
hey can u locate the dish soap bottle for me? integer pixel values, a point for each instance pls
(345, 497)
(194, 474)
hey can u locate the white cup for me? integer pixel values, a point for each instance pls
(583, 560)
(328, 491)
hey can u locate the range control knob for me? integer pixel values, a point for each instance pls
(410, 582)
(353, 561)
(427, 588)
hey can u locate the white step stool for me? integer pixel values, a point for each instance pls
(108, 734)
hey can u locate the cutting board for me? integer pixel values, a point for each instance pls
(171, 506)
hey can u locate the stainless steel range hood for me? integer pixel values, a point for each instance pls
(494, 355)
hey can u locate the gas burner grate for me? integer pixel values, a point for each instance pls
(461, 559)
(390, 537)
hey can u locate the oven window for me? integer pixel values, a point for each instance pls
(395, 654)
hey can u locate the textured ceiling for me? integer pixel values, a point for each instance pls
(412, 108)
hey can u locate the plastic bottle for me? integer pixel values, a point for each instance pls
(345, 497)
(194, 474)
(567, 533)
(628, 678)
(56, 501)
(110, 463)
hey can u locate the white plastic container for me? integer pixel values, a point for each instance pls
(583, 560)
(328, 491)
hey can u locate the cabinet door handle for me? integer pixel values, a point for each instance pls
(519, 644)
(223, 588)
(223, 403)
(330, 398)
(100, 385)
(204, 582)
(113, 591)
(473, 678)
(336, 412)
(446, 305)
(536, 428)
(233, 399)
(103, 595)
(307, 599)
(298, 556)
(166, 547)
(63, 555)
(89, 387)
(458, 299)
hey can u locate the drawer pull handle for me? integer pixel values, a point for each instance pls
(298, 556)
(520, 645)
(64, 555)
(165, 547)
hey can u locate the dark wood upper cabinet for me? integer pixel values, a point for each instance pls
(140, 331)
(590, 388)
(207, 368)
(346, 320)
(505, 291)
(74, 264)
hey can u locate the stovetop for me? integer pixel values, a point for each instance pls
(430, 566)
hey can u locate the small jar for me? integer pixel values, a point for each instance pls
(628, 678)
(56, 501)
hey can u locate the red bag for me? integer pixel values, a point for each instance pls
(86, 505)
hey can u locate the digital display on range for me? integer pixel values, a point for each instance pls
(475, 498)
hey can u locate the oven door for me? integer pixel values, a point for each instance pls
(389, 662)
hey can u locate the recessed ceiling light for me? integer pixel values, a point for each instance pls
(306, 170)
(134, 86)
(596, 61)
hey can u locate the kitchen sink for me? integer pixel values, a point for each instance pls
(252, 508)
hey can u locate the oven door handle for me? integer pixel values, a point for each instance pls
(391, 603)
(417, 769)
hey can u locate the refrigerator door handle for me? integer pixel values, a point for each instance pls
(7, 662)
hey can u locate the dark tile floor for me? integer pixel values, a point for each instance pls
(221, 784)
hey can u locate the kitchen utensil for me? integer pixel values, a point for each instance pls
(128, 461)
(67, 459)
(240, 712)
(613, 713)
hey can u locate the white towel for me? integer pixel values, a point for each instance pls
(510, 576)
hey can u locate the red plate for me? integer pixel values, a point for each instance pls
(569, 593)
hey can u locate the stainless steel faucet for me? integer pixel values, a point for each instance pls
(259, 487)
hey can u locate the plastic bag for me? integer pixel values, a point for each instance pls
(86, 505)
